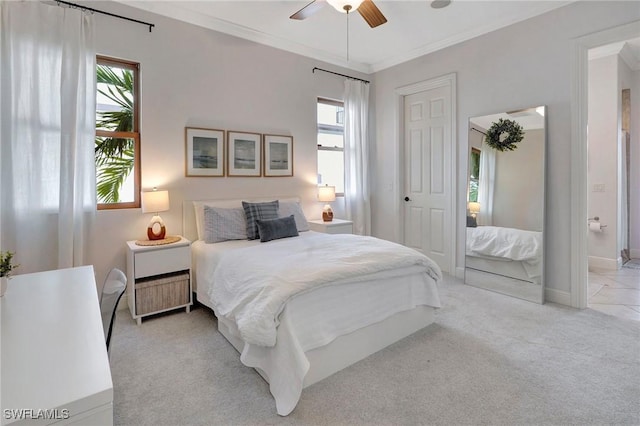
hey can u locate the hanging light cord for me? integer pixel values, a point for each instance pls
(347, 35)
(347, 8)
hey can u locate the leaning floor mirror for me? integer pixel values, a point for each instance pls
(505, 203)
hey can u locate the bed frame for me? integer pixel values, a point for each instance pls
(508, 278)
(342, 351)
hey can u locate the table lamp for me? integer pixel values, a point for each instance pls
(327, 194)
(474, 208)
(153, 202)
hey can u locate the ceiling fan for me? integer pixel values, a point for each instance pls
(367, 9)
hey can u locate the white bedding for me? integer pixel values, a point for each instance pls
(507, 244)
(314, 319)
(251, 286)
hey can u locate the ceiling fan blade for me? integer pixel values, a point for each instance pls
(371, 14)
(309, 9)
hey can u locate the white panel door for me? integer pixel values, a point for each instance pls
(427, 160)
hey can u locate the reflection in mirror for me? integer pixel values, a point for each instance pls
(505, 203)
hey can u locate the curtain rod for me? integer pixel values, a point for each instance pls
(90, 9)
(341, 75)
(479, 131)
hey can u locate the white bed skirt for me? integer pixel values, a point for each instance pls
(306, 353)
(341, 352)
(353, 347)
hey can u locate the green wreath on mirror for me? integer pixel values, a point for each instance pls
(503, 135)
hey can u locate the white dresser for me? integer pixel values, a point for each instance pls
(54, 364)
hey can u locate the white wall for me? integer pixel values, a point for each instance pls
(524, 65)
(630, 79)
(518, 201)
(191, 76)
(634, 240)
(519, 181)
(604, 108)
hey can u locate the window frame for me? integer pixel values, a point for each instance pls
(331, 129)
(478, 152)
(135, 134)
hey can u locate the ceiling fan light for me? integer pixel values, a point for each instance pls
(339, 5)
(439, 4)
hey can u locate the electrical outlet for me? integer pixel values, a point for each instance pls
(598, 187)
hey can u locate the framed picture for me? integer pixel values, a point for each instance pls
(244, 154)
(278, 155)
(205, 152)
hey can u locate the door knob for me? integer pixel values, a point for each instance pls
(407, 199)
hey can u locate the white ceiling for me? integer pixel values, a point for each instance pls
(413, 28)
(529, 119)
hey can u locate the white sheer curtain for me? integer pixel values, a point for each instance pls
(356, 155)
(47, 119)
(486, 185)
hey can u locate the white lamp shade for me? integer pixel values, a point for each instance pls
(474, 207)
(155, 201)
(326, 193)
(340, 4)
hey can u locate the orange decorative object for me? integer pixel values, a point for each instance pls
(327, 216)
(151, 234)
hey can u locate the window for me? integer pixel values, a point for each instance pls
(474, 174)
(117, 144)
(331, 144)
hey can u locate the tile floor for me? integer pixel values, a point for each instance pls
(615, 292)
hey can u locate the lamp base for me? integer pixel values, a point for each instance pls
(327, 214)
(151, 234)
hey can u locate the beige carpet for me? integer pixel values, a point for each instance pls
(488, 359)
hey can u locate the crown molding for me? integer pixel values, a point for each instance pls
(621, 49)
(167, 9)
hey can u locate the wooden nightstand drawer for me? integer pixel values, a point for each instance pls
(162, 261)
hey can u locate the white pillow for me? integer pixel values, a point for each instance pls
(224, 224)
(288, 208)
(227, 204)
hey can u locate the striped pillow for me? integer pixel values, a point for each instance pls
(255, 211)
(224, 224)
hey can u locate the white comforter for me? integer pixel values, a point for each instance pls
(251, 286)
(505, 243)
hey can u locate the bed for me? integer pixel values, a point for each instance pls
(349, 310)
(506, 260)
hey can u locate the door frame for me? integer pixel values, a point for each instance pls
(447, 81)
(579, 157)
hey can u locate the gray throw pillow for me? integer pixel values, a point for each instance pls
(224, 224)
(288, 208)
(274, 229)
(258, 211)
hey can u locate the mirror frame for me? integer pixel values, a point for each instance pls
(513, 280)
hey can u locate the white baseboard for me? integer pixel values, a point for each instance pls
(634, 253)
(557, 296)
(605, 263)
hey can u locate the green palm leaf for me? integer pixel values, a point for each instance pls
(114, 156)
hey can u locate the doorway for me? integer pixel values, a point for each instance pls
(582, 188)
(426, 117)
(613, 288)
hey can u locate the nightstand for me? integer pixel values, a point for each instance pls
(336, 226)
(158, 277)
